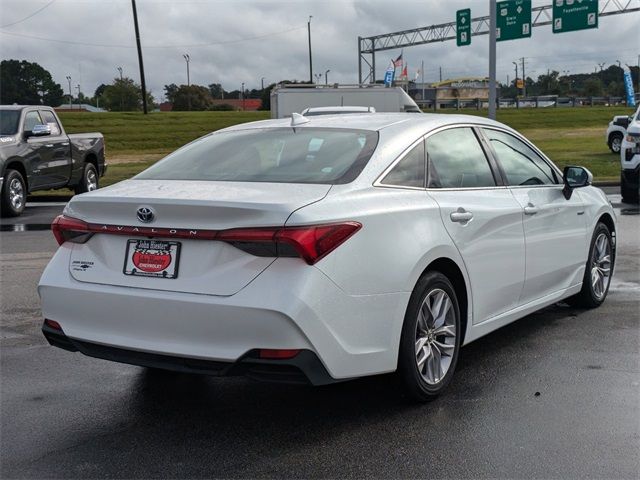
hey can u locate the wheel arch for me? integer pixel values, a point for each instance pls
(453, 272)
(16, 164)
(92, 159)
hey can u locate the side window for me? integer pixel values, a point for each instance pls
(31, 119)
(521, 165)
(50, 119)
(410, 171)
(456, 160)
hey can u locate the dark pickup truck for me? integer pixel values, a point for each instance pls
(37, 154)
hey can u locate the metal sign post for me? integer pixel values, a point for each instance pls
(492, 59)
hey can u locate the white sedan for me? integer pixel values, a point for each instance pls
(325, 249)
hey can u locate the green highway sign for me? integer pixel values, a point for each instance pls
(571, 15)
(513, 19)
(463, 27)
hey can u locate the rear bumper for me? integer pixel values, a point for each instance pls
(288, 306)
(304, 368)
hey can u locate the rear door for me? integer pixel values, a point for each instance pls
(482, 217)
(58, 169)
(554, 227)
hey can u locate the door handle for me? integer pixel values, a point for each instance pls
(65, 144)
(49, 145)
(461, 216)
(531, 209)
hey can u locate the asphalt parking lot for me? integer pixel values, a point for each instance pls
(554, 395)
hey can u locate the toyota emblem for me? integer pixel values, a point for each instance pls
(145, 215)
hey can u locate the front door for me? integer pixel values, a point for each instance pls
(554, 227)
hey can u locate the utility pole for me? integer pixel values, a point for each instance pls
(524, 80)
(70, 95)
(310, 60)
(187, 58)
(143, 85)
(601, 65)
(79, 103)
(242, 95)
(262, 83)
(120, 70)
(121, 99)
(492, 58)
(440, 73)
(516, 80)
(326, 77)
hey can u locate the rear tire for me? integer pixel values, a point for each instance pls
(13, 197)
(598, 271)
(430, 339)
(615, 142)
(89, 180)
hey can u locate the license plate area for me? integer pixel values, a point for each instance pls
(152, 258)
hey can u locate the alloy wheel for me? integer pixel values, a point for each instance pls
(601, 266)
(16, 193)
(435, 336)
(92, 180)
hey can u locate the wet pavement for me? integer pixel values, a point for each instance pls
(554, 395)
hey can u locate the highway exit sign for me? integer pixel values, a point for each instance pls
(513, 19)
(463, 27)
(572, 15)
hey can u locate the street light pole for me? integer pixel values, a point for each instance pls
(310, 59)
(79, 104)
(262, 83)
(326, 78)
(516, 80)
(187, 58)
(70, 95)
(242, 96)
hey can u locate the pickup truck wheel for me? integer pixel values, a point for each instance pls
(14, 194)
(89, 180)
(615, 142)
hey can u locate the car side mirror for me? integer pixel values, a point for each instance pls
(575, 177)
(41, 130)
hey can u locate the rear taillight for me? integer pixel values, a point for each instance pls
(310, 242)
(277, 354)
(67, 229)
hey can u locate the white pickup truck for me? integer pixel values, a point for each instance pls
(630, 161)
(616, 131)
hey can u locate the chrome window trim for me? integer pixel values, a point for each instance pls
(378, 182)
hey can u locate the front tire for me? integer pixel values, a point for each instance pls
(89, 180)
(615, 142)
(430, 339)
(597, 275)
(13, 197)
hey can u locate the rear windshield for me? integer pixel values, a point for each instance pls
(9, 121)
(280, 155)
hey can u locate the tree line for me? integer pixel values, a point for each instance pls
(28, 83)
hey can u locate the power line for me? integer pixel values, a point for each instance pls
(195, 45)
(28, 16)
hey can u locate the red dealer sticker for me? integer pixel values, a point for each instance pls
(152, 258)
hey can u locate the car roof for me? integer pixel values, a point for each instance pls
(373, 121)
(22, 107)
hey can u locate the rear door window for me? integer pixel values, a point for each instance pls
(456, 160)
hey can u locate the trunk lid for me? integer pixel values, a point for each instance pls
(203, 266)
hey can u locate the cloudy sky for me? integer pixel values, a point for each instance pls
(235, 41)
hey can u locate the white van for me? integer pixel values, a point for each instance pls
(294, 98)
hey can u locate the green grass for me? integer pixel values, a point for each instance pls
(135, 141)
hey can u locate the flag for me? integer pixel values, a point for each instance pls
(404, 73)
(398, 61)
(417, 75)
(628, 86)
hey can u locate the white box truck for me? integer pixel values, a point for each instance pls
(294, 98)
